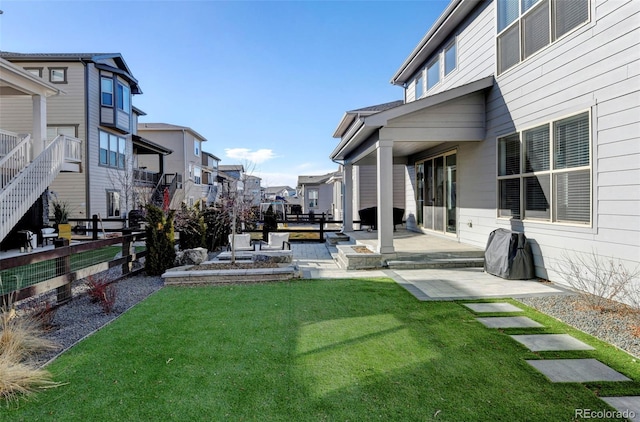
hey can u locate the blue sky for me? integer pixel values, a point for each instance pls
(265, 82)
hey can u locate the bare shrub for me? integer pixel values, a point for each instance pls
(100, 290)
(600, 281)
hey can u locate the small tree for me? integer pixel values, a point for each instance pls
(191, 225)
(218, 224)
(160, 241)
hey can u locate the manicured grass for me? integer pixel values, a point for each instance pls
(305, 350)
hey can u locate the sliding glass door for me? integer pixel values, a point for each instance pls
(436, 193)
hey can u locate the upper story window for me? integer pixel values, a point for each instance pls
(197, 175)
(112, 150)
(106, 91)
(526, 26)
(196, 147)
(419, 86)
(58, 75)
(450, 58)
(544, 173)
(433, 73)
(123, 99)
(35, 71)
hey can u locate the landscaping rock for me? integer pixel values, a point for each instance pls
(191, 256)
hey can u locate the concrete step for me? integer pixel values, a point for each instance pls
(427, 263)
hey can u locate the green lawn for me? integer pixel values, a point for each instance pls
(338, 350)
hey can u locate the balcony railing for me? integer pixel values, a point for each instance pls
(142, 177)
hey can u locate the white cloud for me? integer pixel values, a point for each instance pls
(259, 156)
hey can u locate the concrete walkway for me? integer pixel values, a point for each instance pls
(315, 261)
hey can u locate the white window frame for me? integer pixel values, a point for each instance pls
(197, 175)
(119, 160)
(452, 44)
(549, 173)
(420, 88)
(114, 203)
(197, 147)
(314, 195)
(436, 61)
(518, 22)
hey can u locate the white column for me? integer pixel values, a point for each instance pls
(39, 132)
(384, 174)
(347, 199)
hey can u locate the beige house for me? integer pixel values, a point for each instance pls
(189, 174)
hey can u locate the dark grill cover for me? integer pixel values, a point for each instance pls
(508, 255)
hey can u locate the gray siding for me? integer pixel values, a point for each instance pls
(596, 68)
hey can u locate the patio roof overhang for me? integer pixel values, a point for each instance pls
(454, 115)
(16, 81)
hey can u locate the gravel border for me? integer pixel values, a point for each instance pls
(613, 326)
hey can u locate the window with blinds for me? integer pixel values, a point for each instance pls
(526, 26)
(555, 182)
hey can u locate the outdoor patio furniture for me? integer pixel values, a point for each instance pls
(48, 233)
(240, 242)
(277, 241)
(369, 217)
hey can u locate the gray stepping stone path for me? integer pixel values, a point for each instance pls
(492, 307)
(576, 370)
(628, 405)
(547, 342)
(509, 322)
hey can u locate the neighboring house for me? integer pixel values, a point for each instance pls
(525, 119)
(252, 189)
(184, 168)
(231, 177)
(210, 165)
(95, 109)
(279, 192)
(316, 194)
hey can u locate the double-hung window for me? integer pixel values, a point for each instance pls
(197, 175)
(106, 91)
(197, 145)
(526, 26)
(544, 173)
(313, 198)
(112, 150)
(113, 203)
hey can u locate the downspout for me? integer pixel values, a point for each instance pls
(87, 199)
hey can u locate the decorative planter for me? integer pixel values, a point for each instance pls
(64, 231)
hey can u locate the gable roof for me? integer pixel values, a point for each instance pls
(231, 167)
(316, 180)
(350, 116)
(97, 58)
(169, 127)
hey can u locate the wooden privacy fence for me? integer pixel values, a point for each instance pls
(28, 275)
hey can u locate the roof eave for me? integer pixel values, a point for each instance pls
(455, 12)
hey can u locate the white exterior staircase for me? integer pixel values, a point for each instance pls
(22, 180)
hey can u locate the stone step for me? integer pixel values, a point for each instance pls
(427, 263)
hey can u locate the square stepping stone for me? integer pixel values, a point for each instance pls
(509, 322)
(576, 370)
(544, 342)
(629, 406)
(492, 307)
